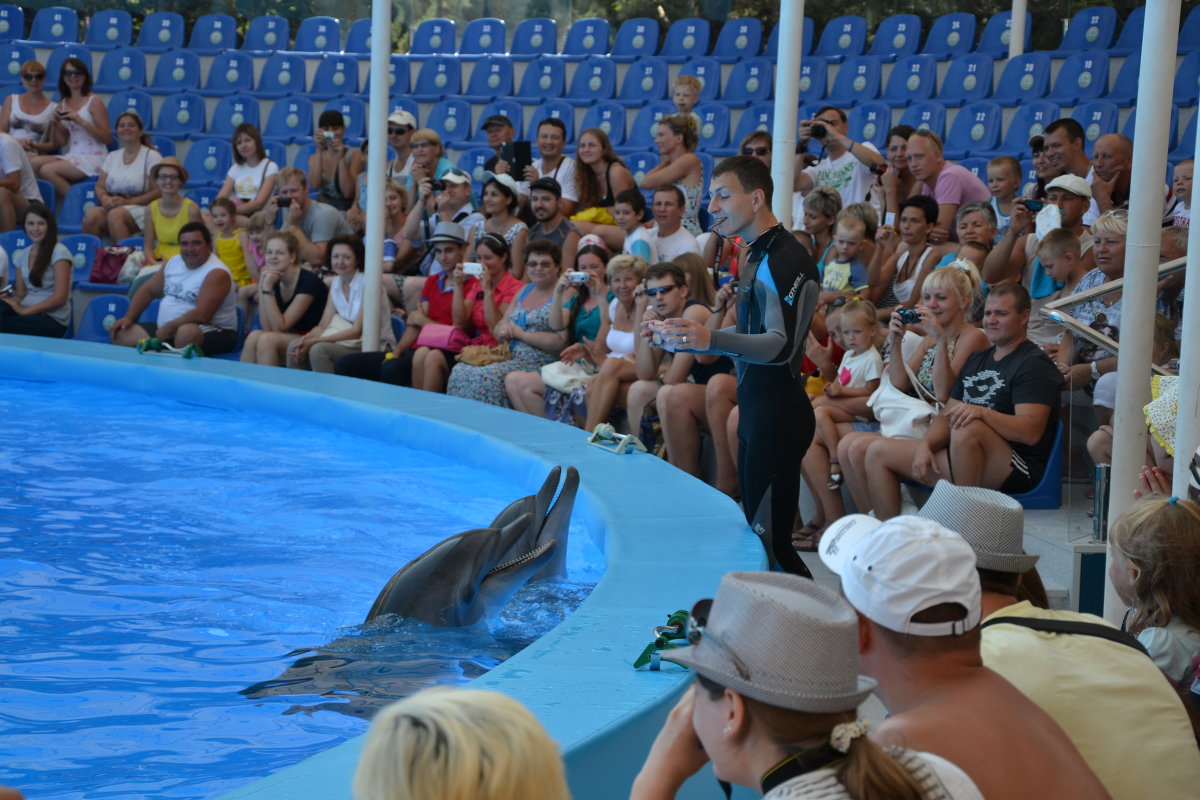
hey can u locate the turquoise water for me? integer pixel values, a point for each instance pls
(157, 558)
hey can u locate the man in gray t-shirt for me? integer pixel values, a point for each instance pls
(17, 182)
(313, 223)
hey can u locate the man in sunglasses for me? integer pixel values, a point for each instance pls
(843, 163)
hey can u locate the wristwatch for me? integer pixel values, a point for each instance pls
(1095, 372)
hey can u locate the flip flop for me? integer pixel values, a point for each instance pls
(808, 538)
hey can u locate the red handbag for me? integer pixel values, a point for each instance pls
(107, 266)
(450, 338)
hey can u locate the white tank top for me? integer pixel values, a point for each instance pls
(28, 127)
(904, 289)
(181, 288)
(619, 343)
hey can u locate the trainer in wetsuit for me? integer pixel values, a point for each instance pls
(776, 297)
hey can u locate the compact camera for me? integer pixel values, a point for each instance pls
(472, 268)
(908, 316)
(819, 131)
(578, 277)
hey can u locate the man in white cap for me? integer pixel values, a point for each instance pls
(914, 586)
(1093, 680)
(400, 127)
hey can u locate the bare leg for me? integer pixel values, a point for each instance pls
(130, 336)
(720, 403)
(188, 333)
(9, 212)
(436, 373)
(526, 392)
(1100, 445)
(250, 347)
(418, 367)
(272, 347)
(413, 285)
(613, 236)
(95, 222)
(247, 297)
(121, 224)
(604, 388)
(681, 412)
(852, 453)
(830, 417)
(62, 174)
(979, 455)
(887, 461)
(641, 394)
(815, 470)
(731, 437)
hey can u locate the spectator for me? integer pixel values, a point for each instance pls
(1063, 142)
(1085, 362)
(291, 302)
(670, 237)
(551, 225)
(613, 350)
(638, 240)
(758, 144)
(40, 302)
(447, 199)
(845, 165)
(551, 139)
(250, 182)
(1112, 168)
(124, 187)
(500, 205)
(1101, 710)
(497, 288)
(400, 127)
(27, 116)
(199, 305)
(333, 168)
(676, 138)
(601, 177)
(499, 130)
(897, 272)
(18, 186)
(845, 273)
(395, 205)
(685, 94)
(313, 224)
(895, 184)
(949, 184)
(78, 129)
(1061, 255)
(1043, 170)
(169, 213)
(914, 586)
(1004, 183)
(232, 242)
(976, 222)
(821, 208)
(429, 161)
(1181, 186)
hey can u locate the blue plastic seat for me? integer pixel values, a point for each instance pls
(930, 115)
(1089, 29)
(645, 82)
(107, 30)
(12, 22)
(83, 249)
(1172, 133)
(640, 135)
(969, 78)
(544, 79)
(483, 36)
(213, 33)
(913, 80)
(608, 117)
(707, 70)
(136, 99)
(856, 82)
(123, 68)
(814, 80)
(12, 241)
(739, 38)
(58, 56)
(536, 36)
(714, 126)
(175, 72)
(398, 75)
(1098, 117)
(433, 37)
(976, 129)
(1187, 80)
(1029, 120)
(595, 80)
(640, 163)
(842, 37)
(318, 35)
(300, 161)
(451, 120)
(950, 36)
(686, 38)
(997, 33)
(472, 162)
(897, 36)
(1187, 143)
(755, 118)
(505, 107)
(491, 77)
(336, 75)
(282, 74)
(290, 120)
(586, 37)
(1048, 492)
(1025, 78)
(358, 38)
(870, 122)
(12, 56)
(48, 192)
(1083, 76)
(232, 110)
(53, 25)
(1124, 90)
(80, 197)
(807, 34)
(1130, 40)
(161, 31)
(554, 109)
(636, 38)
(354, 112)
(276, 151)
(164, 144)
(440, 77)
(266, 34)
(181, 116)
(231, 72)
(749, 82)
(99, 316)
(203, 196)
(208, 161)
(976, 166)
(1189, 32)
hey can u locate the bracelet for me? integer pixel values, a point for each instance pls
(1095, 372)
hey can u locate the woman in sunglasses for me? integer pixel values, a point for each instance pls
(26, 116)
(78, 129)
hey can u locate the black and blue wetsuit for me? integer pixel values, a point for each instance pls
(776, 298)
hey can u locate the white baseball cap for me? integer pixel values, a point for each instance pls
(893, 570)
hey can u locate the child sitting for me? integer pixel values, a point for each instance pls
(1181, 185)
(627, 212)
(846, 273)
(1004, 181)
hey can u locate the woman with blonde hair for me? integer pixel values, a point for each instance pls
(676, 138)
(459, 744)
(429, 161)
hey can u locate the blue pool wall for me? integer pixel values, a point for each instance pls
(667, 540)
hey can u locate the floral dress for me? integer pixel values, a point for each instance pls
(486, 384)
(83, 151)
(691, 207)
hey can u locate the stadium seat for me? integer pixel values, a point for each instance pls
(506, 107)
(608, 117)
(290, 120)
(231, 111)
(1172, 132)
(300, 161)
(1098, 117)
(870, 122)
(433, 37)
(318, 35)
(208, 160)
(1130, 40)
(451, 120)
(595, 80)
(80, 198)
(482, 37)
(1048, 492)
(976, 129)
(400, 103)
(714, 126)
(1089, 29)
(686, 38)
(998, 32)
(440, 77)
(282, 74)
(1029, 120)
(354, 112)
(645, 82)
(586, 37)
(842, 37)
(12, 22)
(814, 80)
(641, 133)
(471, 162)
(968, 79)
(1083, 76)
(640, 163)
(358, 39)
(544, 79)
(636, 38)
(181, 116)
(491, 77)
(83, 249)
(123, 68)
(105, 30)
(554, 109)
(1124, 90)
(930, 115)
(856, 81)
(1187, 143)
(951, 36)
(754, 118)
(175, 72)
(913, 79)
(1187, 80)
(976, 166)
(213, 33)
(12, 56)
(1025, 78)
(398, 75)
(1189, 32)
(807, 33)
(276, 151)
(749, 82)
(161, 31)
(99, 316)
(265, 35)
(336, 75)
(12, 241)
(164, 144)
(58, 55)
(136, 99)
(739, 38)
(54, 25)
(48, 192)
(203, 196)
(537, 36)
(708, 71)
(897, 36)
(231, 72)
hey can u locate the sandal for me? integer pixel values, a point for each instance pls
(836, 479)
(808, 538)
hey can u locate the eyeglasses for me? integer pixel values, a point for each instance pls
(755, 151)
(396, 131)
(655, 292)
(697, 622)
(72, 73)
(422, 144)
(34, 76)
(170, 176)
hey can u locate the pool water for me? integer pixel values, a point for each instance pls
(159, 558)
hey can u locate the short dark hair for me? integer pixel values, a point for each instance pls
(556, 122)
(674, 189)
(544, 247)
(1005, 583)
(331, 118)
(841, 114)
(356, 246)
(546, 184)
(1014, 290)
(665, 269)
(903, 131)
(1072, 127)
(927, 205)
(196, 227)
(635, 199)
(751, 173)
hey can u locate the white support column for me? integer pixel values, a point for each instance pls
(1016, 33)
(1187, 423)
(381, 51)
(1155, 82)
(787, 94)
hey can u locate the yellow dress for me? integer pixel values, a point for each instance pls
(166, 229)
(229, 250)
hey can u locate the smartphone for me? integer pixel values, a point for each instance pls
(1033, 205)
(578, 277)
(472, 268)
(519, 155)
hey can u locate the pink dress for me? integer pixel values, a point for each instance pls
(83, 151)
